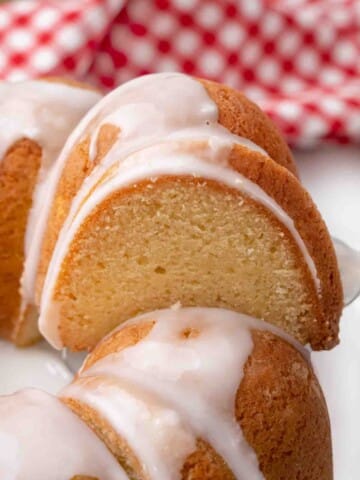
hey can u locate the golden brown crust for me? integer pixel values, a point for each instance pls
(126, 336)
(286, 190)
(244, 118)
(282, 411)
(279, 405)
(18, 173)
(205, 464)
(82, 477)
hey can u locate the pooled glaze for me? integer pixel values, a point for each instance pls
(156, 135)
(180, 366)
(45, 112)
(40, 438)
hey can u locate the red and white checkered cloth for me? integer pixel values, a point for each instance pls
(299, 59)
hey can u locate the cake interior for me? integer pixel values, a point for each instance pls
(181, 240)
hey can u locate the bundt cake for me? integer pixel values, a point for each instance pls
(205, 394)
(177, 394)
(174, 189)
(35, 119)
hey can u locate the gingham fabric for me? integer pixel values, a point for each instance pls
(299, 59)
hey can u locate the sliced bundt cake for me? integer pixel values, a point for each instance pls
(35, 117)
(162, 201)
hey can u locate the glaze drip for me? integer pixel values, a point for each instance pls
(62, 448)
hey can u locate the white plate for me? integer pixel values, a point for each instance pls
(333, 177)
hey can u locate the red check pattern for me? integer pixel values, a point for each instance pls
(299, 59)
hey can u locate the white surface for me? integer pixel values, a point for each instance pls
(39, 367)
(332, 175)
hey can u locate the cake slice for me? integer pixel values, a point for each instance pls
(167, 200)
(36, 118)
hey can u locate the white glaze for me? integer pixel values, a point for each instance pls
(196, 378)
(40, 438)
(154, 432)
(45, 112)
(38, 366)
(149, 115)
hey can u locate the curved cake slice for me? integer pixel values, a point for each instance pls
(36, 117)
(190, 213)
(175, 207)
(204, 394)
(41, 439)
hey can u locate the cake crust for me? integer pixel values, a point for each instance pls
(279, 405)
(297, 203)
(243, 117)
(291, 435)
